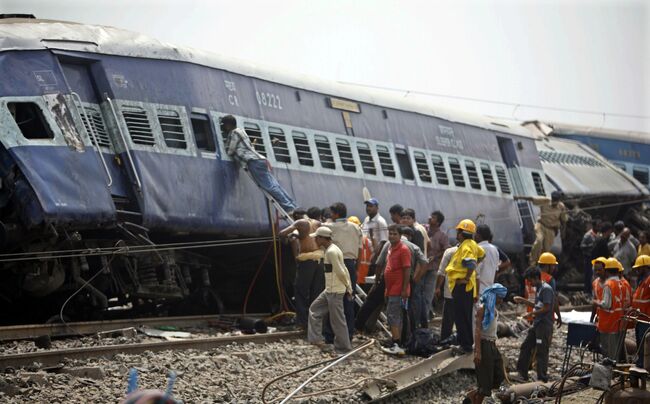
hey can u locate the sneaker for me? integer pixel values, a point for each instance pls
(395, 350)
(386, 343)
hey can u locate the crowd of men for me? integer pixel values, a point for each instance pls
(410, 263)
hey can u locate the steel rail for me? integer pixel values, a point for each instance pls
(55, 357)
(30, 331)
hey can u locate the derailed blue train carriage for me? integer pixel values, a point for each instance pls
(111, 139)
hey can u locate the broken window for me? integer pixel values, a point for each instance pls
(203, 132)
(279, 145)
(539, 184)
(137, 123)
(456, 172)
(345, 154)
(172, 129)
(367, 161)
(503, 179)
(324, 152)
(303, 151)
(30, 120)
(385, 161)
(440, 169)
(422, 166)
(472, 174)
(488, 178)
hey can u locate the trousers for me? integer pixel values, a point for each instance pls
(538, 339)
(374, 300)
(332, 304)
(267, 181)
(544, 237)
(463, 303)
(447, 319)
(308, 284)
(348, 305)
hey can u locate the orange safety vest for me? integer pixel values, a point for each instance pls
(641, 299)
(531, 291)
(609, 320)
(598, 289)
(363, 263)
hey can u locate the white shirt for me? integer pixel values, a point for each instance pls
(446, 257)
(487, 269)
(378, 226)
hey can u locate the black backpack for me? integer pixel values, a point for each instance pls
(423, 343)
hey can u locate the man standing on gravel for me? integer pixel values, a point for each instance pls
(539, 335)
(330, 301)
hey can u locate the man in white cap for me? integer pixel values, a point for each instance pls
(337, 288)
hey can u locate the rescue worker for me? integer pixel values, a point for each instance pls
(641, 302)
(597, 285)
(538, 339)
(552, 219)
(611, 310)
(547, 264)
(461, 273)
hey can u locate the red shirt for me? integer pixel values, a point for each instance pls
(398, 261)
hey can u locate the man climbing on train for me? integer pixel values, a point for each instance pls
(552, 219)
(239, 147)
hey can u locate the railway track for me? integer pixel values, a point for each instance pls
(71, 329)
(54, 357)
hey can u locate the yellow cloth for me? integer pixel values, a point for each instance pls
(455, 270)
(312, 255)
(644, 249)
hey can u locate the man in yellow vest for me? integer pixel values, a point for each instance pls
(461, 273)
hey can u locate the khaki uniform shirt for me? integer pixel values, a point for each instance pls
(347, 236)
(553, 217)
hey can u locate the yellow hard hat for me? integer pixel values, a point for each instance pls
(467, 226)
(642, 261)
(547, 259)
(355, 220)
(602, 260)
(612, 263)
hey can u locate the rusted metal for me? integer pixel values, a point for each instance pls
(405, 379)
(54, 357)
(18, 332)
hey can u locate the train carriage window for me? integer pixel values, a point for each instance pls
(138, 125)
(279, 145)
(324, 152)
(367, 162)
(303, 151)
(439, 168)
(255, 136)
(172, 129)
(539, 184)
(488, 178)
(345, 154)
(203, 132)
(385, 161)
(621, 166)
(641, 174)
(95, 122)
(404, 164)
(456, 172)
(503, 179)
(30, 120)
(422, 166)
(472, 174)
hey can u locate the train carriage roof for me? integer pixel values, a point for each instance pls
(34, 34)
(629, 136)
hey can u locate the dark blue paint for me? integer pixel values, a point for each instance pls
(614, 149)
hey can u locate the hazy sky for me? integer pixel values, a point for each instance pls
(575, 55)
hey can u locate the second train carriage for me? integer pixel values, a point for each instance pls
(107, 134)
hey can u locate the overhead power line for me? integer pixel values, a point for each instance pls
(496, 102)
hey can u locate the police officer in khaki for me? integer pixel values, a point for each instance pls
(552, 219)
